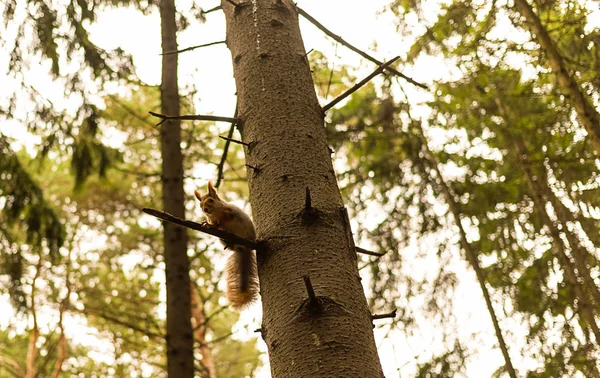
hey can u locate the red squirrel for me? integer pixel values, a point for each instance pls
(241, 270)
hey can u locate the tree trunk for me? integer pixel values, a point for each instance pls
(199, 324)
(472, 256)
(584, 306)
(586, 112)
(180, 357)
(297, 206)
(32, 350)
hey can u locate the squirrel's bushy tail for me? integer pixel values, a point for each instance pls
(242, 277)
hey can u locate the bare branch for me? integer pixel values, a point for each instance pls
(198, 117)
(218, 7)
(193, 47)
(234, 141)
(357, 50)
(221, 165)
(367, 252)
(383, 316)
(203, 227)
(358, 85)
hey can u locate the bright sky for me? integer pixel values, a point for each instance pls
(210, 69)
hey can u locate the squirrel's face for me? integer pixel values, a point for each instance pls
(208, 204)
(210, 201)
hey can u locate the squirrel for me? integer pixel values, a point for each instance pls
(241, 271)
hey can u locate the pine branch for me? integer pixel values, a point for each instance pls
(193, 48)
(357, 50)
(198, 117)
(358, 85)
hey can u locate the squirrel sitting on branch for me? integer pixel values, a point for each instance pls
(241, 271)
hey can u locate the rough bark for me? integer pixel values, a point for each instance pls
(306, 230)
(586, 112)
(471, 257)
(180, 357)
(585, 307)
(199, 327)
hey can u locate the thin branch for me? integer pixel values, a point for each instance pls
(367, 252)
(129, 110)
(218, 7)
(357, 50)
(193, 47)
(198, 117)
(203, 227)
(218, 339)
(383, 316)
(359, 84)
(234, 141)
(226, 149)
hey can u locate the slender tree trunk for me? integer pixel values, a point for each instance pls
(471, 256)
(199, 326)
(32, 351)
(580, 254)
(180, 342)
(296, 203)
(585, 307)
(586, 112)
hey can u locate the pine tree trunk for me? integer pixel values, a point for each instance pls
(180, 357)
(296, 203)
(585, 307)
(471, 254)
(586, 112)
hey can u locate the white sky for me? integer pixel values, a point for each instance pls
(210, 69)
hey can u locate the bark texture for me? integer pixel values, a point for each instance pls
(306, 230)
(180, 357)
(586, 112)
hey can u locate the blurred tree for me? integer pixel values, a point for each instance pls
(520, 171)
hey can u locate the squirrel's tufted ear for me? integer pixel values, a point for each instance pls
(198, 195)
(211, 190)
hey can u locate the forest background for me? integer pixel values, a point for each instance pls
(485, 182)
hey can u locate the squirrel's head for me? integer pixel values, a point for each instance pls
(208, 201)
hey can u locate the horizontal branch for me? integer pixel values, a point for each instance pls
(192, 48)
(367, 252)
(227, 236)
(195, 118)
(383, 316)
(203, 227)
(358, 85)
(357, 50)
